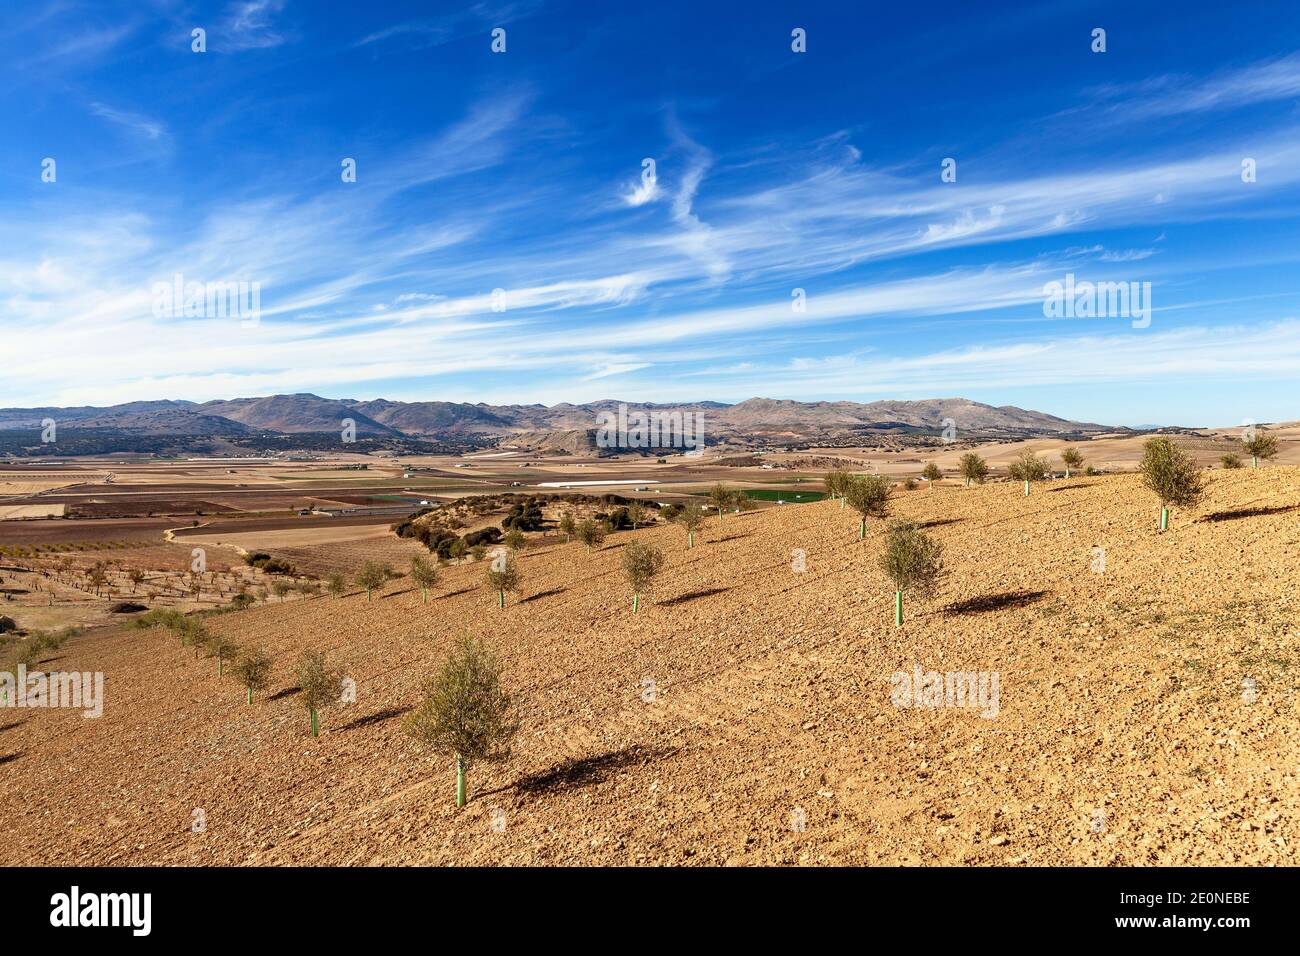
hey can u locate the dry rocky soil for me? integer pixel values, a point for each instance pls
(1148, 707)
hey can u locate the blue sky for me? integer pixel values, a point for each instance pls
(522, 171)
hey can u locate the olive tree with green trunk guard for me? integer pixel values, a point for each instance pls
(320, 686)
(254, 670)
(568, 526)
(223, 649)
(636, 513)
(503, 575)
(868, 495)
(912, 560)
(465, 712)
(973, 468)
(690, 517)
(641, 563)
(1259, 444)
(931, 473)
(591, 533)
(373, 575)
(1172, 474)
(425, 575)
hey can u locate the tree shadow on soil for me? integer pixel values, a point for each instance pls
(996, 602)
(1072, 487)
(940, 522)
(542, 594)
(377, 718)
(451, 594)
(9, 758)
(683, 598)
(11, 725)
(287, 692)
(584, 772)
(1250, 513)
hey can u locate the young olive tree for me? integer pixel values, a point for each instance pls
(320, 686)
(1172, 474)
(1028, 468)
(912, 560)
(722, 498)
(336, 584)
(690, 517)
(931, 474)
(373, 575)
(973, 468)
(868, 495)
(503, 575)
(836, 481)
(513, 539)
(568, 526)
(465, 713)
(591, 533)
(641, 563)
(636, 514)
(1072, 459)
(425, 575)
(1259, 444)
(254, 670)
(223, 649)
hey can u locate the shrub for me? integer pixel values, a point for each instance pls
(1171, 474)
(503, 575)
(912, 560)
(973, 468)
(425, 574)
(321, 686)
(465, 713)
(254, 671)
(1259, 444)
(159, 617)
(641, 563)
(1231, 461)
(513, 539)
(868, 495)
(8, 624)
(636, 513)
(690, 516)
(241, 601)
(591, 533)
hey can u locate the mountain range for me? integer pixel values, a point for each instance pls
(757, 420)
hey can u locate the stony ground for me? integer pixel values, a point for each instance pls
(1148, 711)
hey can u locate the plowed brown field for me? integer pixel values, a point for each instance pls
(1148, 712)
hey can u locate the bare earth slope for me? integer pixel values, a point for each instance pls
(1125, 733)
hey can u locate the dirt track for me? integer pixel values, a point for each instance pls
(1124, 733)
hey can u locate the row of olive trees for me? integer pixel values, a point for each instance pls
(319, 685)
